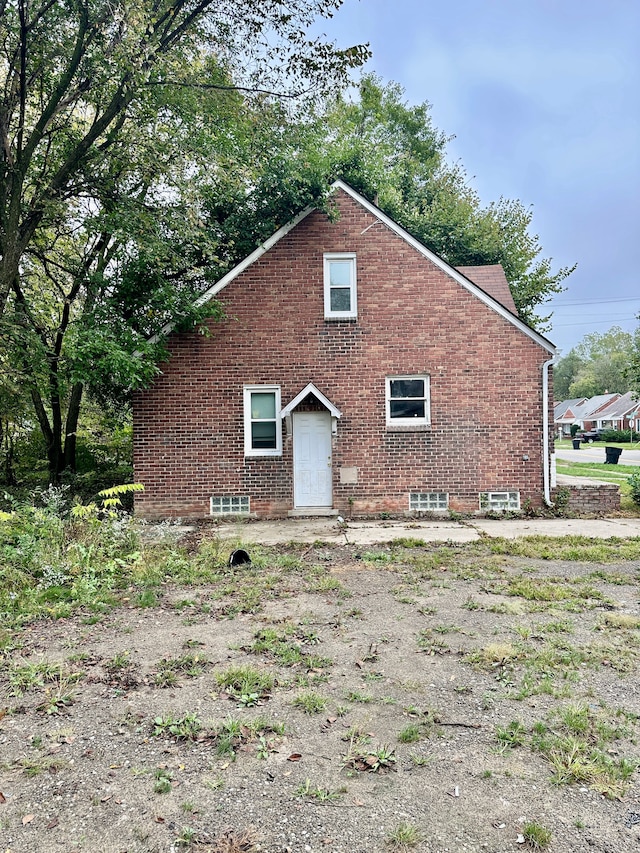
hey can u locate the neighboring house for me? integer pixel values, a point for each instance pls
(564, 415)
(355, 372)
(585, 412)
(614, 413)
(617, 414)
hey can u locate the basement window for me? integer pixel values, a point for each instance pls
(230, 505)
(497, 501)
(428, 501)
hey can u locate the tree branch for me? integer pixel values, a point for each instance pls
(222, 88)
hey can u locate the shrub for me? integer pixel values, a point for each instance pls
(618, 435)
(634, 482)
(54, 557)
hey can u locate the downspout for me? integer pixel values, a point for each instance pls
(546, 473)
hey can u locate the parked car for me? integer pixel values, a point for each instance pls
(591, 435)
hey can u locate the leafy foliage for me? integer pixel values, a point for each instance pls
(113, 119)
(53, 560)
(392, 154)
(598, 365)
(634, 482)
(633, 368)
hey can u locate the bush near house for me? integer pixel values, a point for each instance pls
(619, 435)
(634, 482)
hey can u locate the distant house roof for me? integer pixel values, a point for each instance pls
(583, 409)
(617, 409)
(564, 409)
(492, 279)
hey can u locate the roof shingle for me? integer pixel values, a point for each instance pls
(492, 279)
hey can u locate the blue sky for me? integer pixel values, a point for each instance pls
(543, 97)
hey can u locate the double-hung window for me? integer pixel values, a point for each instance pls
(407, 401)
(262, 422)
(340, 296)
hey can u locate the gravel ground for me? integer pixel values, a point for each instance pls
(383, 726)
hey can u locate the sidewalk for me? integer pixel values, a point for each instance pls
(308, 530)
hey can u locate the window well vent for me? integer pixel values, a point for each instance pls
(428, 501)
(500, 501)
(230, 505)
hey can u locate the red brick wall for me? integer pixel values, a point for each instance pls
(486, 399)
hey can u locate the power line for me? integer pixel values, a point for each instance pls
(584, 323)
(598, 301)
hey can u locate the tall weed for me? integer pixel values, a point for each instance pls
(54, 557)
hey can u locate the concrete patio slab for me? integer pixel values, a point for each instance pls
(308, 530)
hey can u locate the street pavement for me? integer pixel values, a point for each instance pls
(596, 453)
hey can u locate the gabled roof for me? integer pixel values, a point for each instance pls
(492, 279)
(489, 300)
(619, 408)
(584, 409)
(310, 389)
(597, 404)
(564, 409)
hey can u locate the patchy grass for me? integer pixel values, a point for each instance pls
(365, 759)
(318, 793)
(459, 617)
(310, 702)
(580, 549)
(403, 836)
(285, 645)
(538, 837)
(246, 684)
(576, 742)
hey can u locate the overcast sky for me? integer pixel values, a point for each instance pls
(543, 97)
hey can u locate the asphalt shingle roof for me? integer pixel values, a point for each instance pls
(492, 279)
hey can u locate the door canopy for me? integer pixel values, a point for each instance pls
(310, 389)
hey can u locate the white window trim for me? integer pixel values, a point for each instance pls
(408, 422)
(261, 451)
(340, 315)
(500, 500)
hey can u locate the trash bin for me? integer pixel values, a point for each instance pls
(613, 454)
(576, 443)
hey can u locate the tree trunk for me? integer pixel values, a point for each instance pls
(6, 445)
(70, 435)
(52, 437)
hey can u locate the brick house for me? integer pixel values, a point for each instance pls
(355, 372)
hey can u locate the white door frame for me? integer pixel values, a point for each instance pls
(313, 476)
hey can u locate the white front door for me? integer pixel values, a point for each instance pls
(312, 472)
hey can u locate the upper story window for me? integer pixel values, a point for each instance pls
(407, 401)
(340, 297)
(262, 422)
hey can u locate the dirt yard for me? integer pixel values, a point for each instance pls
(331, 698)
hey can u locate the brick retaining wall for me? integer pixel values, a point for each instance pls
(591, 498)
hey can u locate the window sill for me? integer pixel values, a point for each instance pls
(340, 319)
(408, 428)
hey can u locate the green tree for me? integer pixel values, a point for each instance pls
(391, 152)
(604, 365)
(113, 118)
(564, 373)
(633, 368)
